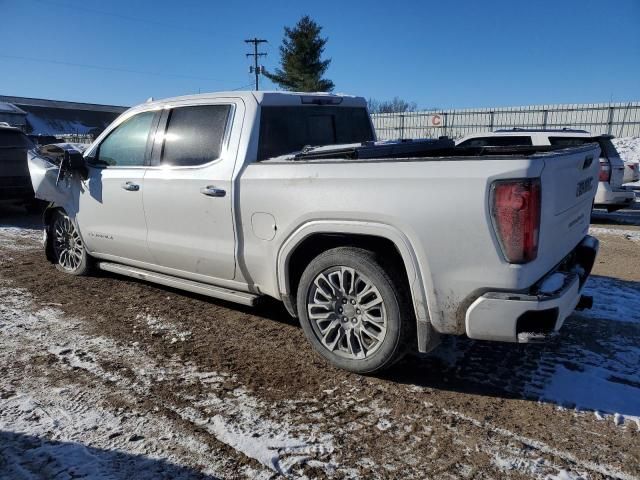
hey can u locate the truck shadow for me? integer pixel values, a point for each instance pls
(28, 456)
(592, 365)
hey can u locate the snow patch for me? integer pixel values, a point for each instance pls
(628, 148)
(633, 235)
(238, 419)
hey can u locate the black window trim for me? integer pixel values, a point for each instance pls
(157, 147)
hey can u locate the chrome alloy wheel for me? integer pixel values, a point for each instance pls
(67, 244)
(347, 312)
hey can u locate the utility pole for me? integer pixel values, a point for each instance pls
(256, 68)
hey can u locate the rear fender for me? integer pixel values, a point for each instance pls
(428, 337)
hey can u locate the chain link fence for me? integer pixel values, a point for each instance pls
(618, 119)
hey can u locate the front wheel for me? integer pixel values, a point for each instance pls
(69, 253)
(354, 312)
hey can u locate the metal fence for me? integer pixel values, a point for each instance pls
(619, 119)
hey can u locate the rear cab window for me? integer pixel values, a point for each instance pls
(288, 129)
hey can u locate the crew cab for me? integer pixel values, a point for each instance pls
(377, 247)
(610, 194)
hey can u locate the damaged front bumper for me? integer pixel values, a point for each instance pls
(539, 313)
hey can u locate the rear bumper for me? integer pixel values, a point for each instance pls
(607, 196)
(538, 313)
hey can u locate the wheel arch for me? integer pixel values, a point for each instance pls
(314, 237)
(47, 216)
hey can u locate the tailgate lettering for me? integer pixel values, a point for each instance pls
(584, 186)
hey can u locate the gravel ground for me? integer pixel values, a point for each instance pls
(107, 377)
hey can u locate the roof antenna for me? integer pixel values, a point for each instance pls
(150, 99)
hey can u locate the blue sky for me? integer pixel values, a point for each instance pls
(456, 53)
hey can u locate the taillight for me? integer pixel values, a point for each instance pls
(605, 170)
(515, 210)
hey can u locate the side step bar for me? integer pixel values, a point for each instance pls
(180, 283)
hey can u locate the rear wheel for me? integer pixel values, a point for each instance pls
(69, 254)
(354, 312)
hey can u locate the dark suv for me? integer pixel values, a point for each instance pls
(15, 182)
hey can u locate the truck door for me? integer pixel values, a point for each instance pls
(188, 195)
(110, 212)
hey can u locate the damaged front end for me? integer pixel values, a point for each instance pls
(56, 172)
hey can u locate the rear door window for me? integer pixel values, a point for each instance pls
(194, 135)
(506, 141)
(286, 130)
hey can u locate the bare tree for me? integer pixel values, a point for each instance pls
(397, 105)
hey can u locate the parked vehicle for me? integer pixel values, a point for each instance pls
(613, 172)
(15, 183)
(631, 172)
(377, 247)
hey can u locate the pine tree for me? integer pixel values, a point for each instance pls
(300, 59)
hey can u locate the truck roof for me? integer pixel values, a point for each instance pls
(272, 98)
(541, 130)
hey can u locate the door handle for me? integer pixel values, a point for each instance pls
(130, 186)
(211, 191)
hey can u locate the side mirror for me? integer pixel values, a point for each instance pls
(74, 162)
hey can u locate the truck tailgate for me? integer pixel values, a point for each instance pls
(569, 183)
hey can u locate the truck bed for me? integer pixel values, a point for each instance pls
(440, 149)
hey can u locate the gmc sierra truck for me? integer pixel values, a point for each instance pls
(377, 247)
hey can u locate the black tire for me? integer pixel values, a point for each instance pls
(400, 324)
(61, 251)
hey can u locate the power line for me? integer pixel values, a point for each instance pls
(101, 67)
(256, 68)
(77, 8)
(242, 87)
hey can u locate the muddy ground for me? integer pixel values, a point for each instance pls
(108, 377)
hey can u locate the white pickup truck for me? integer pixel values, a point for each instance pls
(376, 247)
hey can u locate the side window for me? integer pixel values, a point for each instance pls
(570, 141)
(194, 135)
(126, 145)
(506, 141)
(475, 142)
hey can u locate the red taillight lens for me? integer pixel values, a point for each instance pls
(515, 209)
(605, 171)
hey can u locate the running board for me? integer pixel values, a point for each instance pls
(180, 283)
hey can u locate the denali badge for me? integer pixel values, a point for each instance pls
(584, 186)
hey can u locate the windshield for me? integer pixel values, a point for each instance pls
(607, 149)
(288, 129)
